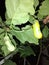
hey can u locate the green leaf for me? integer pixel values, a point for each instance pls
(31, 19)
(26, 51)
(20, 18)
(1, 39)
(18, 10)
(1, 42)
(1, 30)
(27, 6)
(8, 43)
(0, 19)
(2, 36)
(15, 28)
(45, 31)
(11, 6)
(25, 35)
(44, 10)
(40, 17)
(8, 21)
(26, 27)
(36, 3)
(9, 62)
(5, 50)
(12, 40)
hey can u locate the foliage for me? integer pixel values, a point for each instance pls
(26, 51)
(45, 31)
(43, 9)
(9, 62)
(26, 34)
(22, 22)
(36, 3)
(17, 6)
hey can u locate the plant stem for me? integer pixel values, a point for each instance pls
(28, 62)
(7, 57)
(24, 61)
(39, 54)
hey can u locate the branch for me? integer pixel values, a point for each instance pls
(24, 61)
(39, 54)
(7, 57)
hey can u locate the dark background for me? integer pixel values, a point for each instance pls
(2, 9)
(44, 60)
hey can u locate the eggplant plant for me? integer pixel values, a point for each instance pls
(23, 28)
